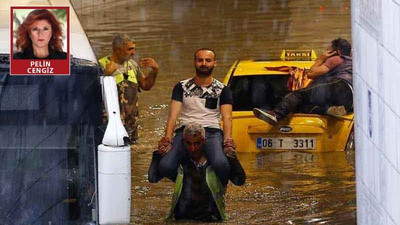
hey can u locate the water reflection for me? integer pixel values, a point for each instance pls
(282, 188)
(299, 187)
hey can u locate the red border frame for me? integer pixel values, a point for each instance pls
(57, 61)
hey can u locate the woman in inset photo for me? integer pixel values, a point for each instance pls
(39, 37)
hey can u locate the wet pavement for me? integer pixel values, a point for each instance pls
(282, 187)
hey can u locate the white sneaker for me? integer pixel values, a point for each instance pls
(336, 111)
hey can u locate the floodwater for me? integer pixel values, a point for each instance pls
(282, 187)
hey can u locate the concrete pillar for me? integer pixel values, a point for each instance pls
(376, 71)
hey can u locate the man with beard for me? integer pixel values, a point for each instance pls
(129, 79)
(200, 99)
(199, 194)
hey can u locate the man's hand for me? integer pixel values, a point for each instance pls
(148, 78)
(110, 68)
(149, 62)
(164, 146)
(326, 55)
(230, 148)
(319, 68)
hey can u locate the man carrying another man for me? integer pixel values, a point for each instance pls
(330, 93)
(198, 193)
(129, 79)
(200, 99)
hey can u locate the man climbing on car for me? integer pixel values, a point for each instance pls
(330, 93)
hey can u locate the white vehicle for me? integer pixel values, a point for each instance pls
(50, 139)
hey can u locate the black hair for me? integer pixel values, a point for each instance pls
(343, 45)
(205, 49)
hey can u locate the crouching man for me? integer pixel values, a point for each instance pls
(198, 192)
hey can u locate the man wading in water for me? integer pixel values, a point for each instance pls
(129, 79)
(198, 192)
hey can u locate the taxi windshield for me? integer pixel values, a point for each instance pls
(261, 91)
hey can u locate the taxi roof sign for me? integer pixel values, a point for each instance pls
(298, 55)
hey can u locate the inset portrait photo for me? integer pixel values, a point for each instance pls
(40, 41)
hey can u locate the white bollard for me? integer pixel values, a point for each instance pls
(114, 170)
(115, 131)
(114, 162)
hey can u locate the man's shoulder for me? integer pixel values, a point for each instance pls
(335, 58)
(347, 58)
(104, 60)
(190, 81)
(106, 57)
(185, 81)
(218, 83)
(333, 62)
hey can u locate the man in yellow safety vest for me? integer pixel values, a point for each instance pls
(129, 79)
(198, 192)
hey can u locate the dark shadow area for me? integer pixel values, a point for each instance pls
(258, 91)
(48, 138)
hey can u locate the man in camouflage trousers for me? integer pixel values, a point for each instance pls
(129, 78)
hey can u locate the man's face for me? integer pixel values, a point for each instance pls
(128, 51)
(204, 63)
(194, 145)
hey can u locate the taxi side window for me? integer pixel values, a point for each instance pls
(261, 91)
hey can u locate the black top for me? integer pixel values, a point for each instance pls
(28, 54)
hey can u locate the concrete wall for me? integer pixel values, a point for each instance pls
(376, 42)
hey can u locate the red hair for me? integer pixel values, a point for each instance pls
(23, 39)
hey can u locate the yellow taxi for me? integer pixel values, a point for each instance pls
(305, 132)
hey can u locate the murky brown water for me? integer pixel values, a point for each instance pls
(282, 188)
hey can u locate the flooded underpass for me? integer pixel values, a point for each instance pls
(282, 187)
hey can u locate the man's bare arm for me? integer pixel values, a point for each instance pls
(165, 144)
(319, 68)
(174, 111)
(226, 113)
(110, 68)
(147, 82)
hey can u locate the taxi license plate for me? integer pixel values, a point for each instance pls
(286, 143)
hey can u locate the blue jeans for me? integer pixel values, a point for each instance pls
(170, 162)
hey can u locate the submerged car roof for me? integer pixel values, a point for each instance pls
(258, 67)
